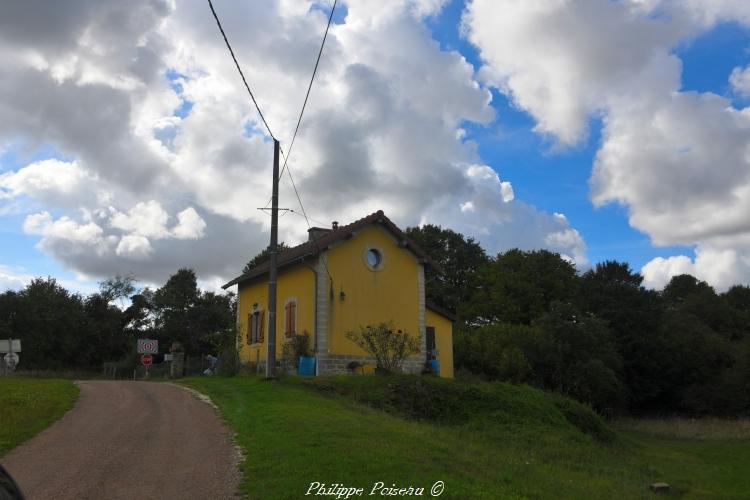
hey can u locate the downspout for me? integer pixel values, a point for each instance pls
(315, 315)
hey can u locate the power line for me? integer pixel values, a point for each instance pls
(302, 112)
(213, 11)
(309, 87)
(310, 218)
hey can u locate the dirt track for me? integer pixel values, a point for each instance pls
(127, 440)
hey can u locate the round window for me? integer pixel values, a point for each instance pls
(374, 258)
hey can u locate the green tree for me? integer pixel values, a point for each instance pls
(460, 258)
(738, 300)
(496, 351)
(106, 339)
(519, 286)
(613, 293)
(139, 318)
(261, 257)
(173, 304)
(200, 321)
(576, 355)
(689, 295)
(213, 320)
(117, 288)
(52, 325)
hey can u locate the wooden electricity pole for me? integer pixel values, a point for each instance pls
(273, 267)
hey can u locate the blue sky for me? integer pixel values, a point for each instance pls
(160, 158)
(556, 179)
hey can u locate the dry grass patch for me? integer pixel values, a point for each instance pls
(688, 428)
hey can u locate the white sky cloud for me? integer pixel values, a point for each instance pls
(678, 160)
(739, 79)
(146, 191)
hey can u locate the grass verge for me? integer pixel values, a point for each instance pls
(293, 436)
(27, 406)
(688, 428)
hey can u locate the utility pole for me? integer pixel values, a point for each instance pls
(272, 270)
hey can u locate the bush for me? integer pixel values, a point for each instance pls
(564, 351)
(389, 347)
(496, 351)
(585, 419)
(452, 402)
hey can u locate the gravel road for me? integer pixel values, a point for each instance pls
(128, 440)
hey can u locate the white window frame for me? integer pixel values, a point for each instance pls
(380, 251)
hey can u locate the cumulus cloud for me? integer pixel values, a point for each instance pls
(678, 160)
(147, 219)
(11, 279)
(739, 79)
(15, 278)
(57, 183)
(721, 267)
(169, 161)
(134, 246)
(190, 225)
(493, 216)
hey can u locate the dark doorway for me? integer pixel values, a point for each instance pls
(430, 341)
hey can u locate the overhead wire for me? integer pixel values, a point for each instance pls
(286, 167)
(309, 87)
(302, 111)
(237, 64)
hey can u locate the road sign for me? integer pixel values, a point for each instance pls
(148, 346)
(5, 345)
(147, 359)
(11, 360)
(168, 357)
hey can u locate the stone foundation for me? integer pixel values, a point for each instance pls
(336, 364)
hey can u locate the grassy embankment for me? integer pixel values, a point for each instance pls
(482, 440)
(27, 406)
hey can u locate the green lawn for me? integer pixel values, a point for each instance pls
(294, 434)
(699, 468)
(27, 406)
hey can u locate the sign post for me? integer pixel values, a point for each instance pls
(147, 360)
(147, 347)
(10, 347)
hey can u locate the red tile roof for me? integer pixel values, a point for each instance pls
(311, 248)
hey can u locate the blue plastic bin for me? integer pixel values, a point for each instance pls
(306, 365)
(435, 365)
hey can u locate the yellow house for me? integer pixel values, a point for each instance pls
(339, 280)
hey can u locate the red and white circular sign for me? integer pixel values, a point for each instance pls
(148, 345)
(147, 359)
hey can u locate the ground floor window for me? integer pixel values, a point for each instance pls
(255, 327)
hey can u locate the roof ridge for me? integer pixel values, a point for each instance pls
(298, 252)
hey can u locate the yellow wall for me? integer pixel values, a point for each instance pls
(390, 294)
(297, 281)
(443, 341)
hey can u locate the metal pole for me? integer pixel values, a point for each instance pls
(272, 271)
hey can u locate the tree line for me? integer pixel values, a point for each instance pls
(60, 330)
(523, 316)
(599, 336)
